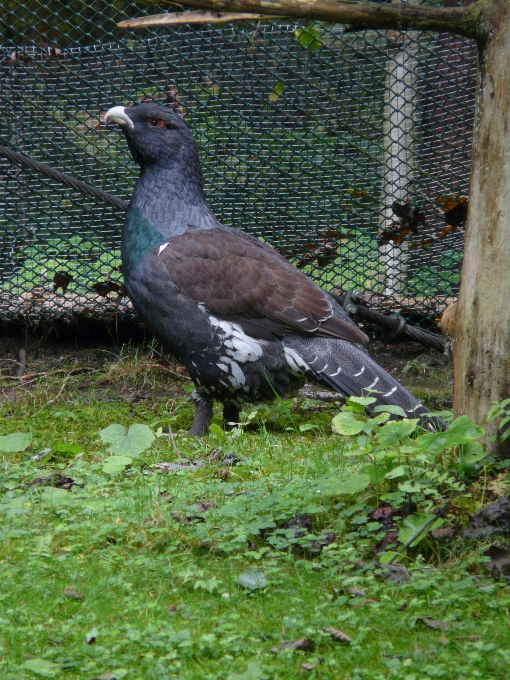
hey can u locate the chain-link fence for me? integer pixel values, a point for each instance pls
(349, 152)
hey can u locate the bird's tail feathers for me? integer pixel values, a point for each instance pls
(349, 371)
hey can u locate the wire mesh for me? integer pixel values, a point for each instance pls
(348, 152)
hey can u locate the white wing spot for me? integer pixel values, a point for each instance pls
(162, 248)
(296, 364)
(356, 375)
(332, 375)
(388, 394)
(237, 344)
(372, 384)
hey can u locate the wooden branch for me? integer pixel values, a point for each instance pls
(179, 18)
(472, 21)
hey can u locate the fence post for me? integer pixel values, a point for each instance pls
(399, 118)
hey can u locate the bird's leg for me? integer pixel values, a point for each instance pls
(230, 416)
(203, 414)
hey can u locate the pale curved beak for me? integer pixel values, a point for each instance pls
(117, 114)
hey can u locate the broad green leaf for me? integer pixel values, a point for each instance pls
(363, 401)
(46, 669)
(131, 442)
(15, 443)
(330, 486)
(388, 555)
(309, 37)
(395, 430)
(345, 423)
(116, 464)
(472, 452)
(217, 431)
(307, 427)
(399, 471)
(375, 472)
(390, 408)
(65, 450)
(463, 427)
(413, 523)
(253, 580)
(435, 442)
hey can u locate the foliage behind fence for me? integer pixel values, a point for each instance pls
(345, 151)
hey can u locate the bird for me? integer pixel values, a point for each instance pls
(245, 322)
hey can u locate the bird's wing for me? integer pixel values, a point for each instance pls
(238, 278)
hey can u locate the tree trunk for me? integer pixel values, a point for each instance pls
(482, 333)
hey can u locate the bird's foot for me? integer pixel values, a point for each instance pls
(230, 416)
(203, 414)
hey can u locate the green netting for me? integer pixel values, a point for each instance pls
(344, 150)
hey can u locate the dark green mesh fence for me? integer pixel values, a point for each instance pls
(349, 152)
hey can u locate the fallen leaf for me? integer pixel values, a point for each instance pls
(91, 636)
(337, 634)
(356, 592)
(434, 623)
(253, 580)
(395, 573)
(303, 644)
(73, 594)
(443, 532)
(402, 607)
(307, 666)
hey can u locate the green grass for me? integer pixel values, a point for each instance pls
(135, 575)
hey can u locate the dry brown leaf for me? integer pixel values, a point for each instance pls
(303, 644)
(337, 634)
(434, 623)
(73, 594)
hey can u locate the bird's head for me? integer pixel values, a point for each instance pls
(155, 134)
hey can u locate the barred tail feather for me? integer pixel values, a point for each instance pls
(350, 371)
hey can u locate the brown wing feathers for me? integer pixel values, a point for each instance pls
(237, 277)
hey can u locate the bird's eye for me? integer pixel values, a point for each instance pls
(154, 122)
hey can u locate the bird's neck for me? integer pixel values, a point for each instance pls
(171, 198)
(166, 202)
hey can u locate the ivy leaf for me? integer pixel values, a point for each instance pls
(130, 442)
(116, 464)
(46, 669)
(395, 430)
(412, 524)
(15, 443)
(345, 423)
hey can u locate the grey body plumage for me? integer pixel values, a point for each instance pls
(244, 322)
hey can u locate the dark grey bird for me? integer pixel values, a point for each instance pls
(243, 320)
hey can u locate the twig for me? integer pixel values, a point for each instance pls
(179, 18)
(172, 437)
(424, 528)
(29, 376)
